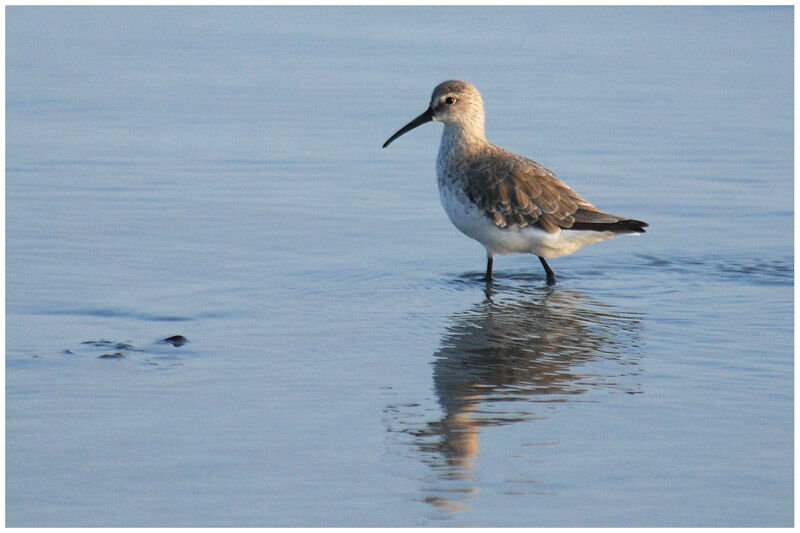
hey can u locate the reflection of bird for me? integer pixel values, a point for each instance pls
(508, 203)
(512, 349)
(499, 356)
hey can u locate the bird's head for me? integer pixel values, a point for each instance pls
(453, 102)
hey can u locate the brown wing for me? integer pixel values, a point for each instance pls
(515, 191)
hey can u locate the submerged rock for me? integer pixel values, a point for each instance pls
(176, 340)
(103, 343)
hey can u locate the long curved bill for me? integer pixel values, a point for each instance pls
(427, 116)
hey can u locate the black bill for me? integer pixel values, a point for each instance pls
(427, 116)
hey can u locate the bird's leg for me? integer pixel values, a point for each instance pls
(551, 276)
(489, 262)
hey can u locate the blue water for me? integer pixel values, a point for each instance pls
(216, 173)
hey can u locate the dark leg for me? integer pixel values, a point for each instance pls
(551, 276)
(489, 262)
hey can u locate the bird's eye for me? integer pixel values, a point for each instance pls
(449, 100)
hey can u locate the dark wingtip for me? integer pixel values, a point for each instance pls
(637, 225)
(625, 225)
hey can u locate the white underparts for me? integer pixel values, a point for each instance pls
(474, 223)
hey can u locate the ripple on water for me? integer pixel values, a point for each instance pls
(748, 270)
(122, 312)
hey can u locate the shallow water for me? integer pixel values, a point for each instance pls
(217, 174)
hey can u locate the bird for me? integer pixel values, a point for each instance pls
(508, 203)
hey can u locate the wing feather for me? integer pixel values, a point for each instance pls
(518, 191)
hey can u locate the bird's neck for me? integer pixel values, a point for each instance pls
(462, 139)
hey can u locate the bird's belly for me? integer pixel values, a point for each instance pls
(474, 223)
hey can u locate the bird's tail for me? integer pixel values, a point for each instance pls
(598, 221)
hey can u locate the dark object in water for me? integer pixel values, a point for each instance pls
(176, 340)
(109, 344)
(118, 355)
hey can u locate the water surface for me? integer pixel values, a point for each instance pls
(216, 173)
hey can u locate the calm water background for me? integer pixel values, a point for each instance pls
(217, 174)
